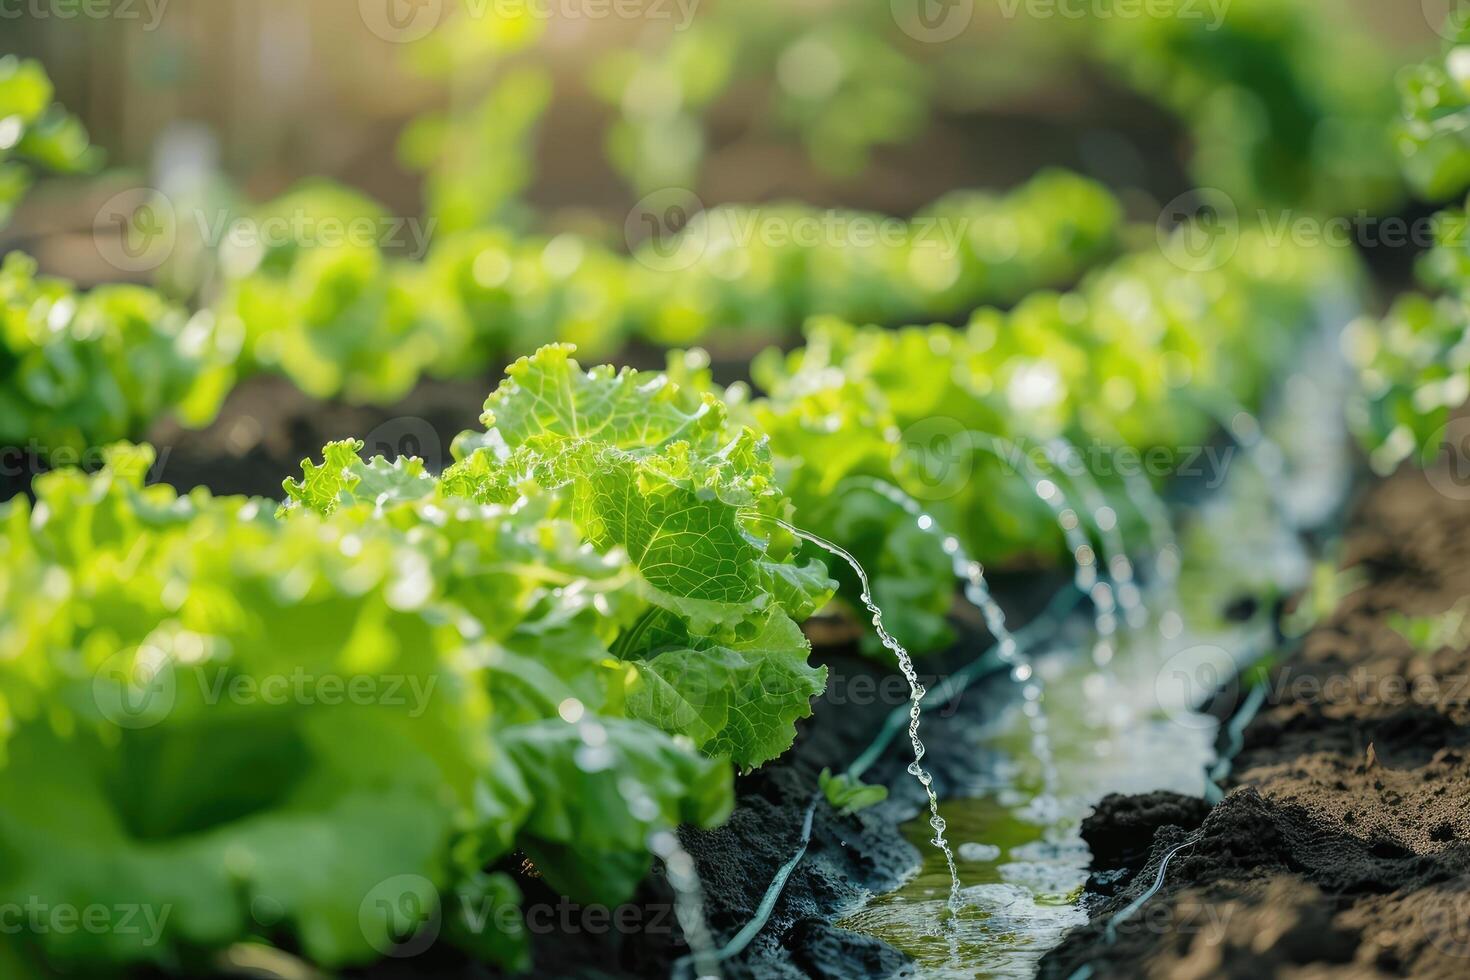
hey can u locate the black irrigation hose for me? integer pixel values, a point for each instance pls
(751, 929)
(986, 665)
(1110, 933)
(1236, 730)
(956, 684)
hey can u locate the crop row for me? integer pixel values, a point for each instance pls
(554, 651)
(345, 319)
(1413, 365)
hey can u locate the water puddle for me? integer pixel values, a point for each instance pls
(1022, 875)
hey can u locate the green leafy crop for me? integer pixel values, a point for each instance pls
(1288, 102)
(1413, 364)
(348, 319)
(1413, 371)
(35, 132)
(1135, 365)
(1434, 135)
(252, 723)
(655, 478)
(78, 370)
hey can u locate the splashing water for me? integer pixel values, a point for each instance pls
(1105, 519)
(683, 878)
(977, 593)
(1168, 557)
(1247, 432)
(916, 692)
(1084, 575)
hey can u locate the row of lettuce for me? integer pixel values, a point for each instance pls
(1414, 364)
(342, 318)
(354, 320)
(340, 725)
(255, 724)
(36, 134)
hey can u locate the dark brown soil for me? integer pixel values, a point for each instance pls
(1342, 847)
(268, 426)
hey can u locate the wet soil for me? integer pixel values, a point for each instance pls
(1342, 845)
(849, 857)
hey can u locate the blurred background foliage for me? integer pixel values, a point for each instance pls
(545, 114)
(601, 171)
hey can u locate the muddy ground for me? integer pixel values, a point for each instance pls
(1342, 845)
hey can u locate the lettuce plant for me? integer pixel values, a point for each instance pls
(347, 319)
(249, 720)
(1137, 363)
(35, 133)
(79, 370)
(1413, 364)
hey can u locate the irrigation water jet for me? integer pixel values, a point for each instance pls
(1084, 575)
(1008, 649)
(916, 691)
(683, 878)
(1105, 519)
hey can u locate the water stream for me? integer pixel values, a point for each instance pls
(683, 878)
(1115, 551)
(916, 695)
(1020, 882)
(1084, 559)
(1008, 650)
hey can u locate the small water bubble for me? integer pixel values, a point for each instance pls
(1129, 596)
(571, 711)
(1245, 427)
(971, 851)
(1171, 624)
